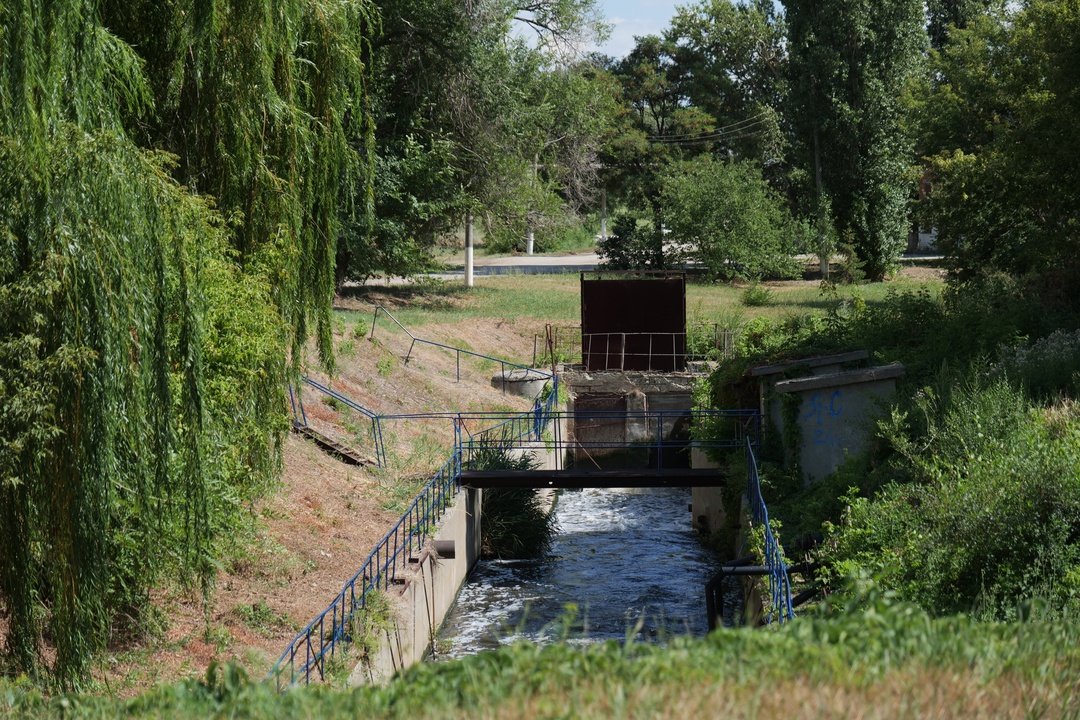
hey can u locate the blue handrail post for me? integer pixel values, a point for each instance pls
(459, 450)
(659, 441)
(380, 451)
(292, 401)
(538, 414)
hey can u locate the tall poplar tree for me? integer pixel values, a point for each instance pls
(849, 63)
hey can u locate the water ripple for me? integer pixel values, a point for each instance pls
(622, 556)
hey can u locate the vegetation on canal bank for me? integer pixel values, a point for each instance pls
(514, 522)
(886, 659)
(968, 499)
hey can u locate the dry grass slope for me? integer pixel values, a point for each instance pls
(313, 534)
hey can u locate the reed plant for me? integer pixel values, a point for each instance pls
(513, 522)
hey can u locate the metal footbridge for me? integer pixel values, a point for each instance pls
(573, 479)
(605, 449)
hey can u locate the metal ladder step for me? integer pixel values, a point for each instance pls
(332, 446)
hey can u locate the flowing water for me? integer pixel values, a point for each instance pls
(626, 558)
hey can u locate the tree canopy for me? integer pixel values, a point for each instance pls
(996, 120)
(723, 216)
(171, 185)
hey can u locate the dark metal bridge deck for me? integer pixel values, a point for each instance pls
(668, 477)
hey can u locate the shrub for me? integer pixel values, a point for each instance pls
(991, 518)
(513, 523)
(725, 217)
(756, 295)
(1046, 367)
(629, 246)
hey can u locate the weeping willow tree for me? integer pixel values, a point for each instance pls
(171, 183)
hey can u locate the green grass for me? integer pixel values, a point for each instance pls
(557, 298)
(263, 621)
(708, 301)
(885, 660)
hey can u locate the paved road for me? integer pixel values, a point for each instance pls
(540, 265)
(531, 264)
(509, 265)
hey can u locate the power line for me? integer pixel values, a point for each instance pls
(740, 133)
(717, 133)
(718, 130)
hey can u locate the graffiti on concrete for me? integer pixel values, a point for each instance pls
(822, 411)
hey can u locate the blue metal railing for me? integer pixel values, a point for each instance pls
(655, 435)
(375, 418)
(331, 632)
(779, 582)
(299, 414)
(504, 364)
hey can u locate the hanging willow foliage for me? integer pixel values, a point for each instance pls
(264, 103)
(144, 326)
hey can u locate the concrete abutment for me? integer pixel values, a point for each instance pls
(427, 596)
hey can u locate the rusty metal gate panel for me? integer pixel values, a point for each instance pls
(633, 323)
(599, 427)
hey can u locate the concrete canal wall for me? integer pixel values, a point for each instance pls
(426, 597)
(431, 591)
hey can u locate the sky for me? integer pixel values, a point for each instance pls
(635, 17)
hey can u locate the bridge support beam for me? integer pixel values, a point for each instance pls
(667, 477)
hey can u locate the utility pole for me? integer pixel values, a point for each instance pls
(603, 215)
(468, 250)
(532, 235)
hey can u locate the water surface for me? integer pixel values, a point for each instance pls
(626, 558)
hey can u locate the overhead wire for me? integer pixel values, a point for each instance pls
(723, 133)
(750, 120)
(711, 136)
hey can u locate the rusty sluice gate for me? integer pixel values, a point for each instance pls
(573, 479)
(633, 323)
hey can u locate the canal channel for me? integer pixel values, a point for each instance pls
(622, 560)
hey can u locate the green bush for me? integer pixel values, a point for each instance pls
(513, 524)
(726, 218)
(991, 515)
(756, 295)
(1047, 367)
(968, 499)
(630, 246)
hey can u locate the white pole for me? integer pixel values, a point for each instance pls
(468, 250)
(603, 216)
(529, 243)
